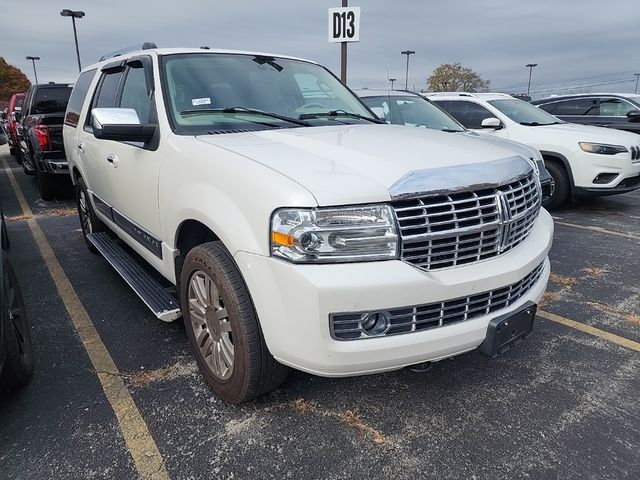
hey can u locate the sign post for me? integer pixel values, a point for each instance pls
(344, 27)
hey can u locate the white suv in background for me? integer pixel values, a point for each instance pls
(583, 160)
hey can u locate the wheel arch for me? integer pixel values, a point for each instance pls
(562, 161)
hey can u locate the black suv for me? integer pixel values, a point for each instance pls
(613, 110)
(40, 135)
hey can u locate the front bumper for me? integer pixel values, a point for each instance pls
(587, 167)
(294, 303)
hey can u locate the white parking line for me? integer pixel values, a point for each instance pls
(597, 229)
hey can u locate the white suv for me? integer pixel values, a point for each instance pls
(583, 160)
(298, 230)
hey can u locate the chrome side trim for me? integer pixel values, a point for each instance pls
(444, 180)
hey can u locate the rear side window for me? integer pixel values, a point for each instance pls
(579, 106)
(468, 114)
(51, 100)
(77, 98)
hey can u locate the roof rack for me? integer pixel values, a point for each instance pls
(117, 53)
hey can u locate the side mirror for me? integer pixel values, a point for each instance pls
(120, 125)
(379, 111)
(633, 116)
(491, 122)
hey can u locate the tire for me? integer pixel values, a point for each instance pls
(18, 363)
(12, 151)
(45, 184)
(223, 328)
(89, 222)
(562, 186)
(24, 165)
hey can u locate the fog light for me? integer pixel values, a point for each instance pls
(376, 323)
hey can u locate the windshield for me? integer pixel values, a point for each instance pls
(523, 112)
(411, 111)
(226, 92)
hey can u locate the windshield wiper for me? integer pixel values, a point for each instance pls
(248, 111)
(537, 124)
(451, 130)
(338, 113)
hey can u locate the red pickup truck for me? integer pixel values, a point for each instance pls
(15, 105)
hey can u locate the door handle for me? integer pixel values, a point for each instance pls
(81, 147)
(112, 158)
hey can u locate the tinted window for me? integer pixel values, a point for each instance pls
(78, 95)
(615, 107)
(51, 100)
(108, 89)
(468, 114)
(135, 94)
(523, 112)
(578, 106)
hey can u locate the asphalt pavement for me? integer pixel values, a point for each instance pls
(562, 405)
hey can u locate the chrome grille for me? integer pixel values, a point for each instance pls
(446, 230)
(348, 326)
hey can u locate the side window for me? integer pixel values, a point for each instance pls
(381, 103)
(78, 95)
(579, 106)
(549, 107)
(615, 107)
(107, 90)
(469, 114)
(135, 94)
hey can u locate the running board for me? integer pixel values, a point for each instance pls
(162, 303)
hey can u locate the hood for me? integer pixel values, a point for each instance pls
(351, 164)
(588, 133)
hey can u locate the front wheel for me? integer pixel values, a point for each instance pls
(223, 329)
(89, 222)
(18, 363)
(562, 186)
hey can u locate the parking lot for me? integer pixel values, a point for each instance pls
(563, 404)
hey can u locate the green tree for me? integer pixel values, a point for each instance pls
(456, 78)
(12, 80)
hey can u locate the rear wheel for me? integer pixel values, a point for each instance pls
(562, 186)
(88, 220)
(45, 184)
(223, 329)
(18, 364)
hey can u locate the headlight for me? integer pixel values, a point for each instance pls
(323, 235)
(602, 148)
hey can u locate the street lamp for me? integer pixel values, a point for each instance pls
(406, 79)
(33, 61)
(637, 78)
(530, 67)
(392, 80)
(74, 14)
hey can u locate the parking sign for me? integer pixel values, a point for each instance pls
(344, 24)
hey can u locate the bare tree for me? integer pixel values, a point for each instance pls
(456, 78)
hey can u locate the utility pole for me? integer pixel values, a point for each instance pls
(406, 78)
(33, 61)
(392, 80)
(343, 53)
(530, 67)
(637, 78)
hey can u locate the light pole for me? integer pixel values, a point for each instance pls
(33, 61)
(392, 80)
(530, 67)
(406, 79)
(637, 78)
(74, 14)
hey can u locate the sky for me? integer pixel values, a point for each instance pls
(579, 45)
